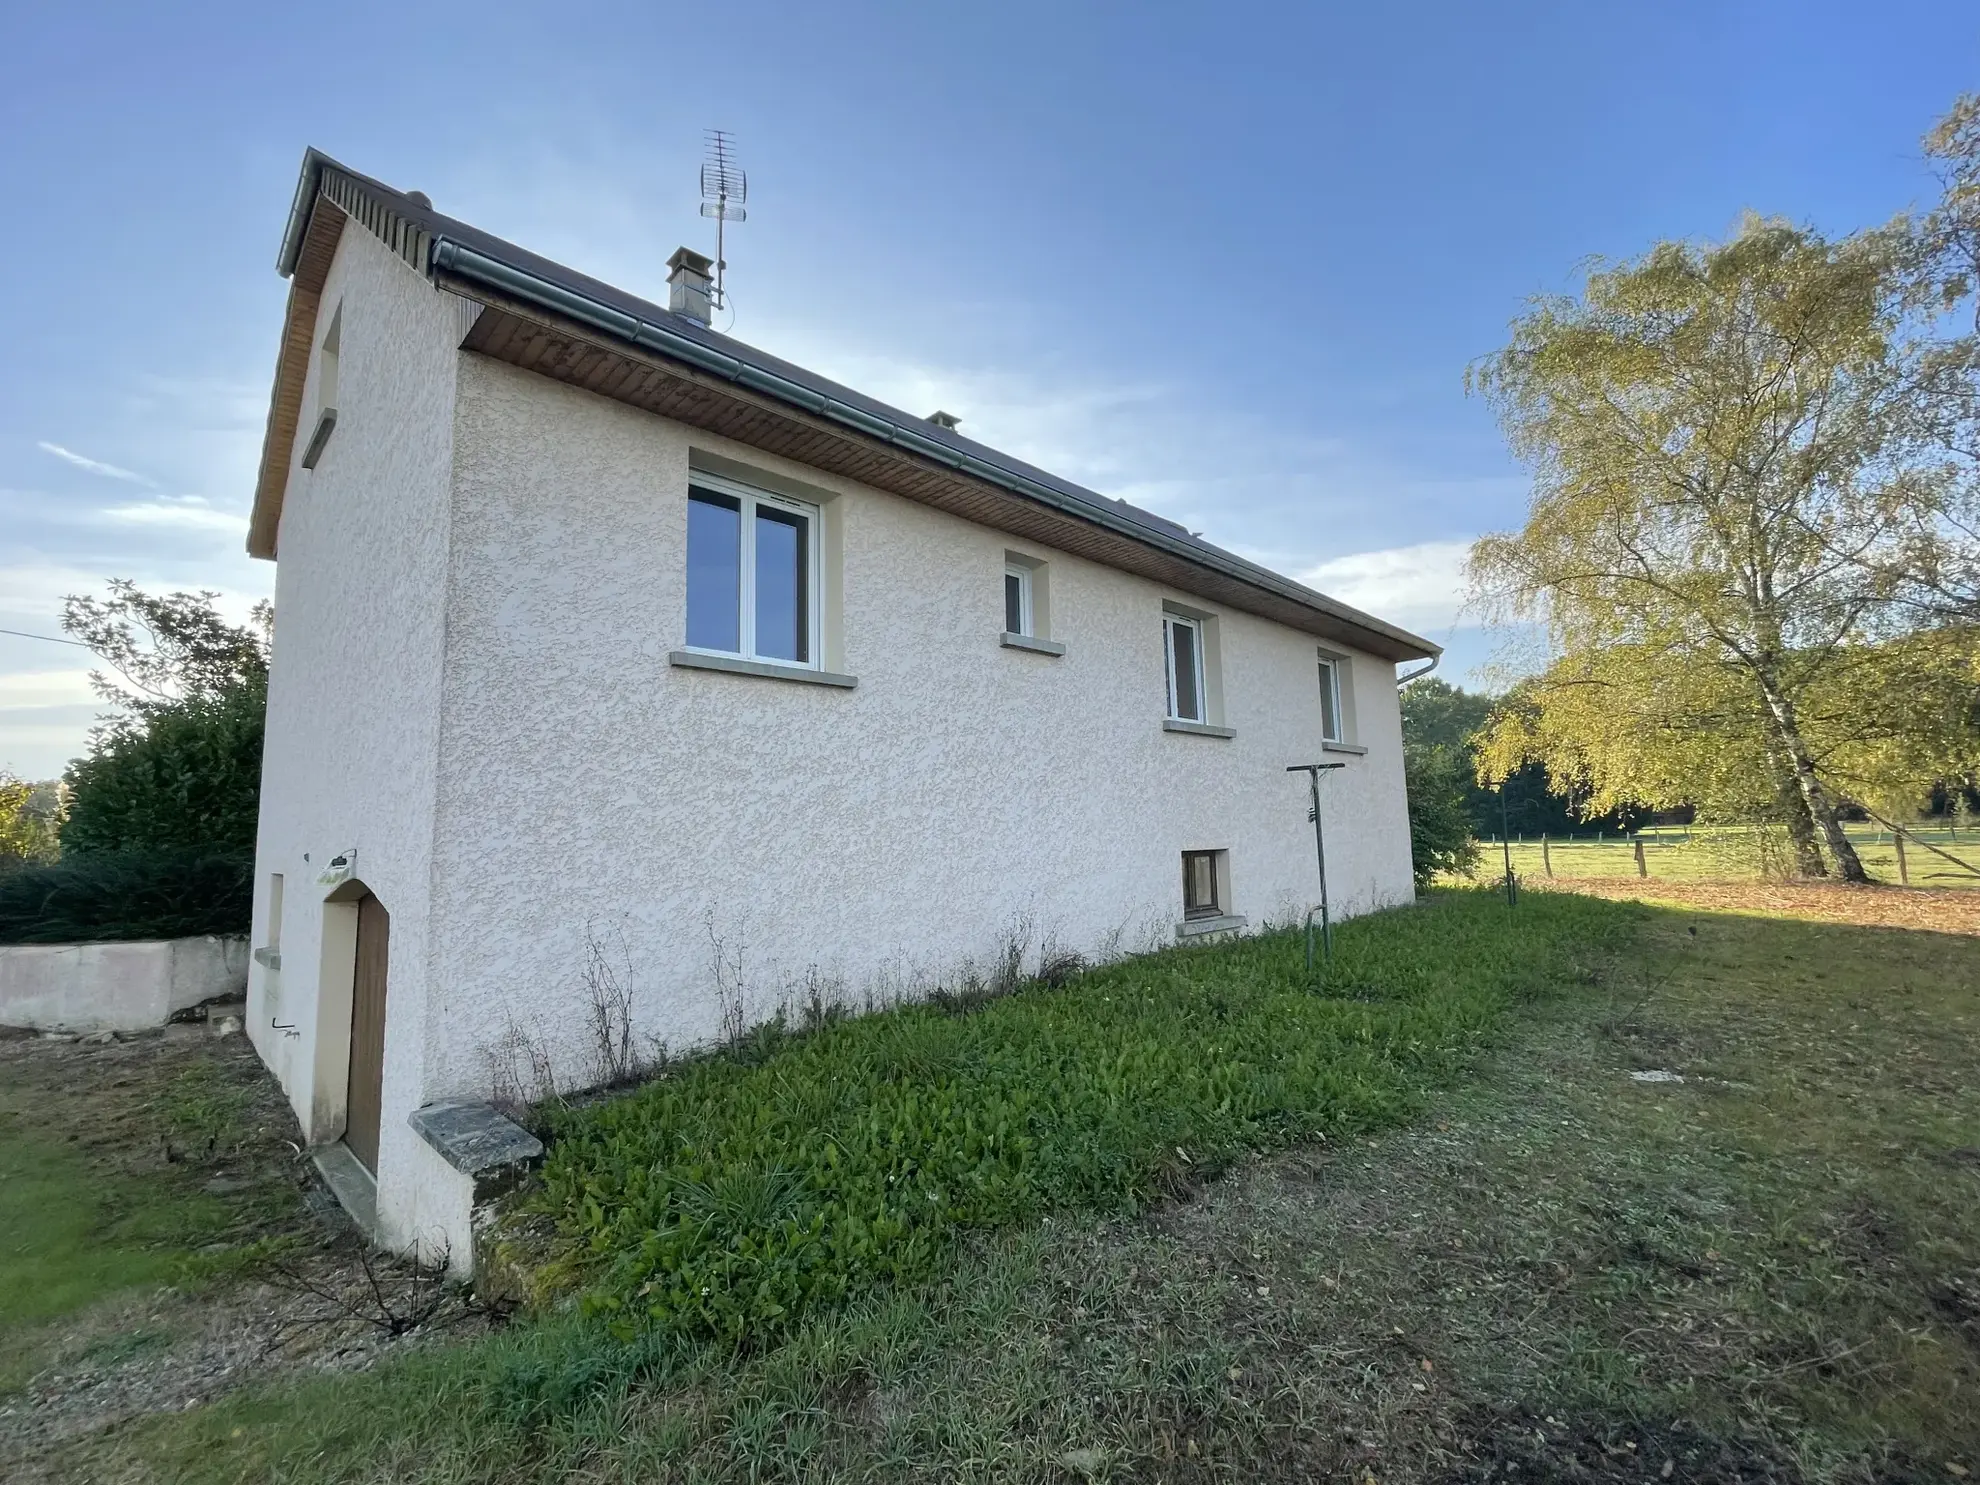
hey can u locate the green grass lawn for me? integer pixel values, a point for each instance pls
(1677, 853)
(102, 1187)
(1540, 1269)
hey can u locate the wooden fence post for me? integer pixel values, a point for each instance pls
(1904, 871)
(1642, 866)
(1546, 858)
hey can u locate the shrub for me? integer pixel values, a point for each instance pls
(121, 895)
(184, 775)
(1440, 822)
(747, 1187)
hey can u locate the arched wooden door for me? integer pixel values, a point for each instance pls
(374, 931)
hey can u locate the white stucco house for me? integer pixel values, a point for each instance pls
(598, 630)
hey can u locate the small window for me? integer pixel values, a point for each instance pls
(1330, 701)
(1183, 640)
(752, 575)
(326, 365)
(1201, 898)
(1018, 615)
(326, 390)
(274, 934)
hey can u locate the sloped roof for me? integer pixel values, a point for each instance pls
(566, 324)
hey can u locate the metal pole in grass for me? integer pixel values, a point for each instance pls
(1505, 843)
(1313, 772)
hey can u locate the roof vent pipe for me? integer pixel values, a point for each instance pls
(688, 285)
(420, 198)
(944, 420)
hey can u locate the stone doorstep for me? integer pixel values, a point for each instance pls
(351, 1184)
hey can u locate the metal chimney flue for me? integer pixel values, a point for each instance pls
(688, 284)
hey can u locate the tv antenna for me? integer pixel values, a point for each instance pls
(724, 189)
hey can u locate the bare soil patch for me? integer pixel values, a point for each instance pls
(1931, 909)
(203, 1254)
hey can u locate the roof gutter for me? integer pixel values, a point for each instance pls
(307, 187)
(450, 256)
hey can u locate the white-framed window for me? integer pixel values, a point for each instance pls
(752, 573)
(1019, 615)
(1330, 700)
(1182, 642)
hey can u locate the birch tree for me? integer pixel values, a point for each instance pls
(1722, 443)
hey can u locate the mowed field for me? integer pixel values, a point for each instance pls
(1733, 853)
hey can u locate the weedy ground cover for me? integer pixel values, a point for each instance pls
(735, 1194)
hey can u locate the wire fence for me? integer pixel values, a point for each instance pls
(1931, 854)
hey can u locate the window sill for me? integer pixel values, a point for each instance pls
(325, 426)
(1341, 747)
(1198, 729)
(768, 669)
(1225, 923)
(1031, 642)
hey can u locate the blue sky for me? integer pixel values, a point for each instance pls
(1227, 261)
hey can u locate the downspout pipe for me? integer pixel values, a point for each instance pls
(1417, 675)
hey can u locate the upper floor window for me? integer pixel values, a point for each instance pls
(1182, 639)
(752, 574)
(1019, 617)
(326, 389)
(1330, 701)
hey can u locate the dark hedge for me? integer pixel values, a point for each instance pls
(107, 896)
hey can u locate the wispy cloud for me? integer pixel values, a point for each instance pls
(96, 466)
(41, 689)
(1420, 585)
(187, 512)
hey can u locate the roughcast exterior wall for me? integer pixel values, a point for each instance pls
(479, 588)
(353, 703)
(116, 987)
(735, 843)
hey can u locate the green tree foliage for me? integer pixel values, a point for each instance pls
(159, 835)
(185, 775)
(30, 816)
(1727, 453)
(1440, 827)
(167, 648)
(1436, 714)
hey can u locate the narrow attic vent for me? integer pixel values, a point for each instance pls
(943, 419)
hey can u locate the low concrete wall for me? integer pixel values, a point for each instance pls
(116, 987)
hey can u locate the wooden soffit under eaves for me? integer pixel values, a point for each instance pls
(539, 341)
(278, 443)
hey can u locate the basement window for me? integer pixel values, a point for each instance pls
(752, 574)
(1203, 895)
